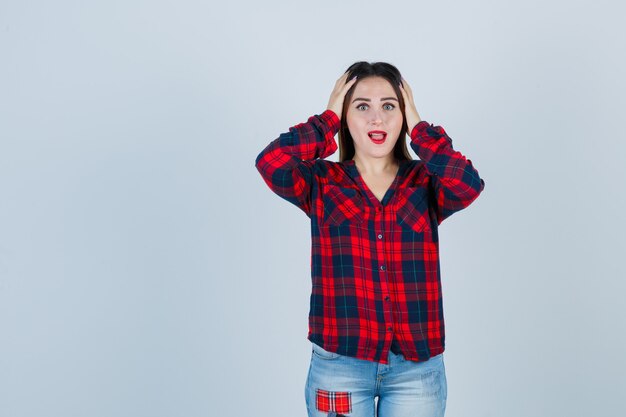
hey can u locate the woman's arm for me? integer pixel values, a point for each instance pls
(286, 164)
(456, 182)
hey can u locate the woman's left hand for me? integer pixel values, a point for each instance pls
(410, 111)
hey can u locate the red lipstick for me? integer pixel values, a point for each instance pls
(377, 136)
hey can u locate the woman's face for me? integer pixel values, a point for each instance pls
(374, 118)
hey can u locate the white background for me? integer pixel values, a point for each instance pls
(147, 270)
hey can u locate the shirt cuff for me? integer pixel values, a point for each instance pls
(419, 129)
(424, 132)
(331, 120)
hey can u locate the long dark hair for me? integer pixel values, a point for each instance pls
(363, 70)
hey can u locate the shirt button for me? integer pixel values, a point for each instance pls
(382, 267)
(380, 236)
(390, 328)
(387, 298)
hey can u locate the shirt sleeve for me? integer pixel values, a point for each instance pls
(456, 182)
(286, 164)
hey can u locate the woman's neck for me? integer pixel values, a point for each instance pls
(376, 166)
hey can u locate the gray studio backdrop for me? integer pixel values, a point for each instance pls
(147, 270)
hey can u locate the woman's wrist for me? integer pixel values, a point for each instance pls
(412, 119)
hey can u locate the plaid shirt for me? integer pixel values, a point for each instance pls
(374, 265)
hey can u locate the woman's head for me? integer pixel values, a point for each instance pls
(373, 103)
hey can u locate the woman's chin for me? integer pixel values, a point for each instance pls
(380, 152)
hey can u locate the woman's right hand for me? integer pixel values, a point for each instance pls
(335, 103)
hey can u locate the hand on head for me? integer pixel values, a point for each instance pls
(410, 111)
(335, 103)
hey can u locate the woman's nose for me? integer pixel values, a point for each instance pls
(376, 117)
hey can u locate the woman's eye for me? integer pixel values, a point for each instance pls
(361, 105)
(389, 106)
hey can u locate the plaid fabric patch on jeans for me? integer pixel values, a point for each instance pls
(329, 401)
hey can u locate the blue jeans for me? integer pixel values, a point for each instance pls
(342, 385)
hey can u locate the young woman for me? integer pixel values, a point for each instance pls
(376, 320)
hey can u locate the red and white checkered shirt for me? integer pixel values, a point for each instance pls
(374, 264)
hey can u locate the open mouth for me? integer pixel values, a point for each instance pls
(377, 136)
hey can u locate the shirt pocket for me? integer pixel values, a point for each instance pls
(412, 213)
(342, 206)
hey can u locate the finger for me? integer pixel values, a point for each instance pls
(406, 89)
(403, 91)
(344, 76)
(348, 84)
(340, 80)
(406, 85)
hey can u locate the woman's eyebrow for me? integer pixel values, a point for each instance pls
(382, 99)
